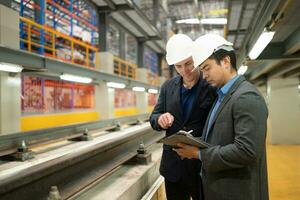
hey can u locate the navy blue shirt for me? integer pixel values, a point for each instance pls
(187, 97)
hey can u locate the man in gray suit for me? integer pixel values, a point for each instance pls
(234, 167)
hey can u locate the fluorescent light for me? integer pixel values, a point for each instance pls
(299, 86)
(138, 89)
(242, 69)
(261, 43)
(115, 85)
(8, 67)
(188, 21)
(73, 78)
(217, 21)
(153, 91)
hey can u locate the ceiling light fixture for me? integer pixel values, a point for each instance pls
(115, 85)
(74, 78)
(8, 67)
(215, 21)
(188, 21)
(261, 43)
(153, 91)
(242, 70)
(138, 89)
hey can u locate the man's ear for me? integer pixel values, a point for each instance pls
(226, 62)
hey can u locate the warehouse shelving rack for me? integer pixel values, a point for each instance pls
(60, 16)
(46, 66)
(32, 31)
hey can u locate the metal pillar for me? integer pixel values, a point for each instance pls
(155, 12)
(102, 28)
(22, 33)
(160, 58)
(141, 49)
(122, 44)
(71, 16)
(40, 18)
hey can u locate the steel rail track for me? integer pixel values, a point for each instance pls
(72, 172)
(10, 142)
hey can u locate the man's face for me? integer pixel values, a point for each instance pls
(213, 73)
(185, 69)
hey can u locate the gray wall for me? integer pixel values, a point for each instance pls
(283, 100)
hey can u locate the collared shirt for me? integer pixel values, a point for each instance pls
(221, 94)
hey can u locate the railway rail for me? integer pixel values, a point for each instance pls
(75, 165)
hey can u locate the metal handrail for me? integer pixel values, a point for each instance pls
(10, 142)
(51, 35)
(124, 68)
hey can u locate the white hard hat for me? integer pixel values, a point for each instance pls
(206, 45)
(179, 47)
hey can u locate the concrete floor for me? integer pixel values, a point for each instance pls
(284, 172)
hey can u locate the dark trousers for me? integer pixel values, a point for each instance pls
(184, 191)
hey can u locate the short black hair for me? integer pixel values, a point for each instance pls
(221, 54)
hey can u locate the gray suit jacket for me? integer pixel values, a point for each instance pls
(235, 168)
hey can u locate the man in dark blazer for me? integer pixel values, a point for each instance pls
(235, 167)
(183, 104)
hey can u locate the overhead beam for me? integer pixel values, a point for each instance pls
(21, 57)
(262, 69)
(260, 81)
(292, 73)
(115, 8)
(263, 14)
(37, 62)
(145, 19)
(110, 4)
(140, 39)
(121, 26)
(180, 2)
(160, 46)
(276, 51)
(292, 43)
(234, 32)
(242, 12)
(272, 51)
(127, 18)
(130, 6)
(278, 58)
(284, 68)
(149, 38)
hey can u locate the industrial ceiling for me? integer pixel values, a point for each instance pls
(246, 20)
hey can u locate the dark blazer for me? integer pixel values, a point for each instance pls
(235, 167)
(172, 167)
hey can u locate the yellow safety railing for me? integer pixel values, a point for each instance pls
(70, 49)
(124, 68)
